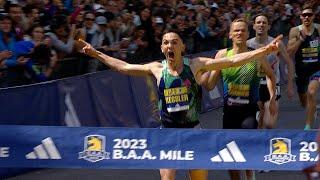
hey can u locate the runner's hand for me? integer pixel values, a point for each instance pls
(274, 45)
(87, 49)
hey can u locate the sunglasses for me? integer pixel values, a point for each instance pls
(307, 14)
(89, 19)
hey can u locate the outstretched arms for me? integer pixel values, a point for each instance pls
(119, 65)
(203, 64)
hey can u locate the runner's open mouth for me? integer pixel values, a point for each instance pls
(171, 54)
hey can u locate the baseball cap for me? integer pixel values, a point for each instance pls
(101, 20)
(159, 20)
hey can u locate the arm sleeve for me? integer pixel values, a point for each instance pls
(60, 45)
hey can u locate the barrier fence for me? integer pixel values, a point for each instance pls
(96, 99)
(143, 148)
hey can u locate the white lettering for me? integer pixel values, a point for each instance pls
(304, 156)
(189, 155)
(132, 154)
(4, 152)
(117, 154)
(146, 155)
(165, 155)
(176, 155)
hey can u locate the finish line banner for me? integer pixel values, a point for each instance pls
(139, 148)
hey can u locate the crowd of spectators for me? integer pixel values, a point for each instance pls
(38, 36)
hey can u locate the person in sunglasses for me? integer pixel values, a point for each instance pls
(304, 45)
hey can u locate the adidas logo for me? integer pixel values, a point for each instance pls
(46, 150)
(230, 154)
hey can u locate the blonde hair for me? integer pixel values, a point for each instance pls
(239, 20)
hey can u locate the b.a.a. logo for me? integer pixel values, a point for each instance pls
(94, 148)
(280, 151)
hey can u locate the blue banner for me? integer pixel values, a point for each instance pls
(96, 99)
(139, 148)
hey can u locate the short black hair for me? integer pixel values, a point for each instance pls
(28, 8)
(3, 17)
(58, 21)
(172, 30)
(260, 14)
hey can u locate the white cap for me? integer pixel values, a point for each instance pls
(101, 20)
(214, 5)
(159, 20)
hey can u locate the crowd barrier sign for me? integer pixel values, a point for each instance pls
(153, 148)
(96, 99)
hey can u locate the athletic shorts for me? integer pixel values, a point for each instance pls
(240, 117)
(302, 83)
(264, 95)
(166, 124)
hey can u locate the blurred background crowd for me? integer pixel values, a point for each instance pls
(37, 37)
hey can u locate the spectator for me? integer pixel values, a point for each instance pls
(138, 45)
(61, 37)
(202, 31)
(39, 65)
(38, 38)
(158, 26)
(32, 16)
(146, 24)
(113, 30)
(127, 26)
(90, 27)
(18, 21)
(12, 74)
(98, 41)
(36, 34)
(210, 17)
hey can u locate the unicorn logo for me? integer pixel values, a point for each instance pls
(280, 151)
(94, 148)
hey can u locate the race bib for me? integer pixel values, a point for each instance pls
(310, 54)
(238, 93)
(177, 99)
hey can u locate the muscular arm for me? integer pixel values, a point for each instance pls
(294, 41)
(285, 56)
(271, 83)
(122, 66)
(126, 68)
(209, 64)
(210, 78)
(271, 79)
(203, 64)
